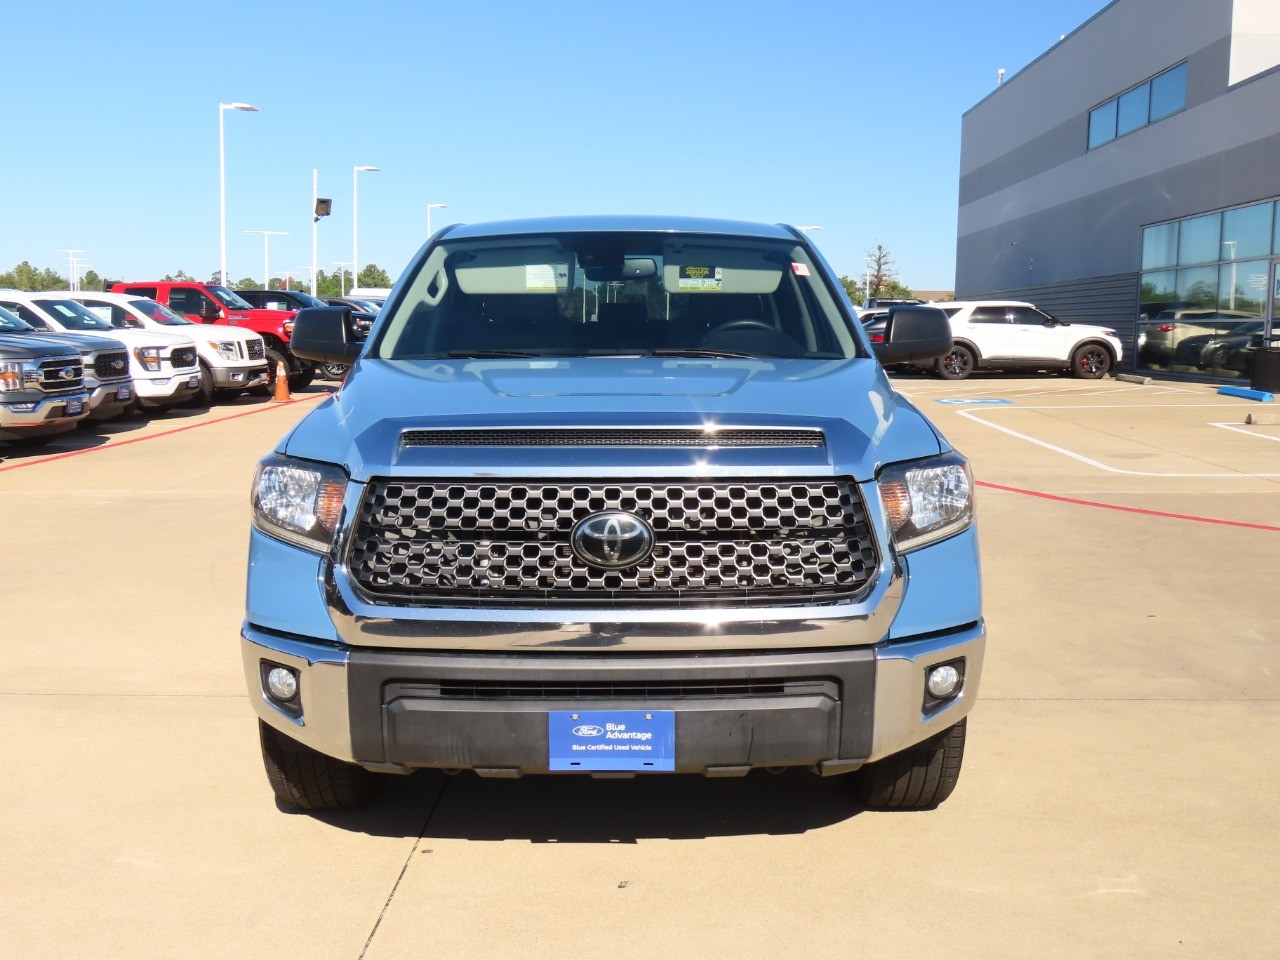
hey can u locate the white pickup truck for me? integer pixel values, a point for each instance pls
(231, 359)
(162, 365)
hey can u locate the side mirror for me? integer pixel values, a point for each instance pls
(210, 311)
(323, 335)
(914, 334)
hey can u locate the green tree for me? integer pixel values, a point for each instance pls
(91, 281)
(245, 283)
(26, 277)
(332, 284)
(853, 288)
(373, 276)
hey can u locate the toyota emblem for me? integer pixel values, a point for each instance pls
(612, 539)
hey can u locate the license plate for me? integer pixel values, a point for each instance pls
(124, 393)
(75, 408)
(193, 381)
(629, 740)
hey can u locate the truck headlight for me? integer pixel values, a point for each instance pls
(927, 500)
(11, 375)
(226, 349)
(149, 357)
(298, 500)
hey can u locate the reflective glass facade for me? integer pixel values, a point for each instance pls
(1206, 291)
(1157, 98)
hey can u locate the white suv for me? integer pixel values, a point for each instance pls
(231, 359)
(1011, 334)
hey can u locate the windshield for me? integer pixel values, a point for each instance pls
(11, 324)
(617, 294)
(229, 299)
(160, 313)
(73, 316)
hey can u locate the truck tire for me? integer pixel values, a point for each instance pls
(301, 377)
(304, 779)
(918, 778)
(204, 396)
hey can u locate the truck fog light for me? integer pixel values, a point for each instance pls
(282, 683)
(941, 682)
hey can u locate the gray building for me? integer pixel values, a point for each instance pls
(1130, 176)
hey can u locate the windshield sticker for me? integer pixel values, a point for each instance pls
(800, 269)
(546, 276)
(700, 278)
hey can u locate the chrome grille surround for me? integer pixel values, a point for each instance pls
(718, 542)
(701, 437)
(51, 379)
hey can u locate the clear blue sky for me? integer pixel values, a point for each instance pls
(841, 113)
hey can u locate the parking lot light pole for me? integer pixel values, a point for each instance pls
(430, 207)
(355, 219)
(222, 177)
(342, 277)
(266, 253)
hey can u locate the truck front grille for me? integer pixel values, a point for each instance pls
(183, 357)
(61, 374)
(111, 366)
(255, 350)
(716, 543)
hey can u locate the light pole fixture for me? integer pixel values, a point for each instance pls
(430, 207)
(342, 276)
(266, 253)
(808, 228)
(355, 218)
(72, 262)
(222, 178)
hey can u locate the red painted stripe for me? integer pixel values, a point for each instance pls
(155, 436)
(1116, 506)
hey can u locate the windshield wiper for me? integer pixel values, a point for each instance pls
(701, 352)
(489, 354)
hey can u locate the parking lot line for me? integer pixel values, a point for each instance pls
(975, 416)
(155, 436)
(1123, 509)
(1247, 433)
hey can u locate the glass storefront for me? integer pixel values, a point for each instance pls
(1206, 297)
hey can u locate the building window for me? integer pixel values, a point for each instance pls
(1204, 295)
(1152, 100)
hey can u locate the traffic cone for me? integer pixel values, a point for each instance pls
(282, 383)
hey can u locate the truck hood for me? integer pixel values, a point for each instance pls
(21, 346)
(84, 342)
(140, 338)
(865, 423)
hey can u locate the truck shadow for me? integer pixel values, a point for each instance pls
(572, 809)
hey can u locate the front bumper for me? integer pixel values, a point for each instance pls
(46, 416)
(397, 710)
(239, 376)
(163, 391)
(107, 400)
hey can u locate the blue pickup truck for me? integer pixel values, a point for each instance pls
(614, 496)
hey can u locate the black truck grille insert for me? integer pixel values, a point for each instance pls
(111, 366)
(183, 357)
(715, 543)
(255, 350)
(614, 437)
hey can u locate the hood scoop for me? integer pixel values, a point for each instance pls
(704, 438)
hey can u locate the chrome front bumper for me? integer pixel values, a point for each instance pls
(343, 709)
(46, 416)
(240, 376)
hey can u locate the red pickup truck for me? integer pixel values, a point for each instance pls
(210, 303)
